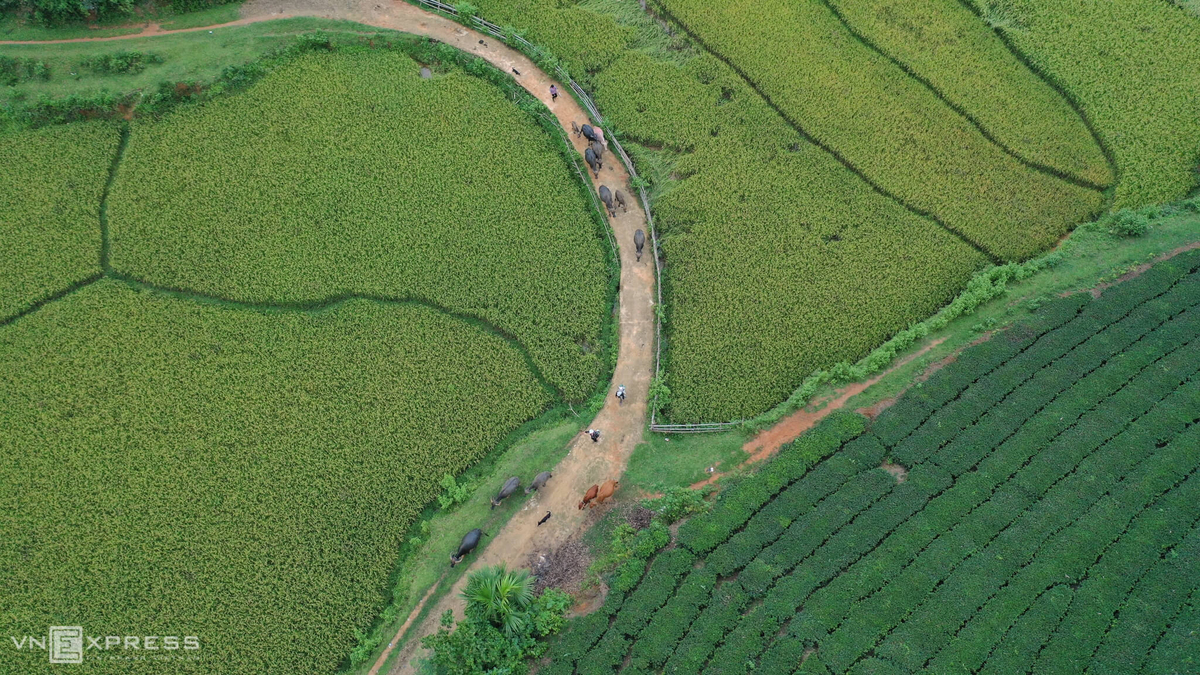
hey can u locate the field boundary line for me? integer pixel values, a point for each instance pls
(941, 96)
(841, 159)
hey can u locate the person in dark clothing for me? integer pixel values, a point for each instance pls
(553, 93)
(594, 434)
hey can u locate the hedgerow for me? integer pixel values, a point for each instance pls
(1038, 522)
(171, 454)
(1132, 69)
(435, 211)
(50, 192)
(946, 45)
(887, 125)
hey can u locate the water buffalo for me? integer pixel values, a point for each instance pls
(607, 488)
(593, 162)
(468, 544)
(607, 198)
(538, 481)
(620, 197)
(510, 486)
(575, 129)
(598, 149)
(589, 133)
(639, 240)
(591, 494)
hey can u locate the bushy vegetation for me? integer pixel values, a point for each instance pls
(244, 476)
(347, 173)
(17, 69)
(50, 190)
(123, 62)
(56, 12)
(1047, 522)
(504, 619)
(1134, 71)
(946, 44)
(887, 125)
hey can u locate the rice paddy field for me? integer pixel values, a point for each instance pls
(880, 152)
(268, 285)
(235, 366)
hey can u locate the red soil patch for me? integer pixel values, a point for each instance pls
(872, 411)
(768, 442)
(1142, 268)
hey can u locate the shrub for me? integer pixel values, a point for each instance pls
(1128, 223)
(121, 63)
(14, 70)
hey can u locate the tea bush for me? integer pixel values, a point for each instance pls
(182, 467)
(1049, 520)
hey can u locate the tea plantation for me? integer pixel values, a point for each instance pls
(1049, 520)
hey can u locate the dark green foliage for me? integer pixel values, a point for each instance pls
(14, 70)
(1048, 521)
(52, 12)
(504, 620)
(1128, 223)
(122, 62)
(658, 640)
(738, 503)
(653, 591)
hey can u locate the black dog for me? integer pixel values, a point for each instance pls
(544, 519)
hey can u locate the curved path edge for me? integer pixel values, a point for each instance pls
(621, 425)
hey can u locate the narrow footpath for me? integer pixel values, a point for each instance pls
(621, 425)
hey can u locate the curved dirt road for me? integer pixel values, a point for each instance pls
(621, 425)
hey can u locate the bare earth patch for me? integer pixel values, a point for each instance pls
(898, 472)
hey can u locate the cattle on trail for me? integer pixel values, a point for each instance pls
(639, 240)
(510, 486)
(591, 494)
(538, 481)
(468, 544)
(620, 197)
(593, 162)
(589, 133)
(606, 490)
(607, 198)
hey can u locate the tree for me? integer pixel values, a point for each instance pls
(504, 619)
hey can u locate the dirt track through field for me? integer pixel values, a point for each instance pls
(621, 425)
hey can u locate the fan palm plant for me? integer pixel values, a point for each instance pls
(502, 597)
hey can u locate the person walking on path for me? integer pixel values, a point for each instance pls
(553, 93)
(594, 434)
(621, 393)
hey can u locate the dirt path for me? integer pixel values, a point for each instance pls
(621, 425)
(768, 442)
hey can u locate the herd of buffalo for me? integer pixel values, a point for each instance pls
(594, 156)
(596, 493)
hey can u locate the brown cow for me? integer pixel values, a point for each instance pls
(607, 488)
(591, 494)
